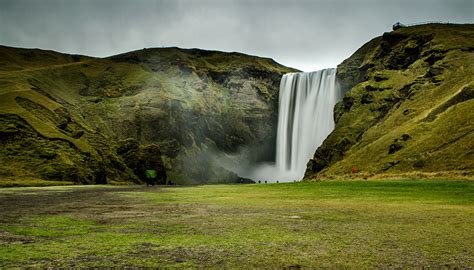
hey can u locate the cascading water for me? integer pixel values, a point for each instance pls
(305, 119)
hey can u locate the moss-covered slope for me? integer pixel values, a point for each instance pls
(408, 105)
(185, 106)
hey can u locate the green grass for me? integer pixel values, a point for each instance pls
(30, 182)
(164, 96)
(339, 224)
(426, 101)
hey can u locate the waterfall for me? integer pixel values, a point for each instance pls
(305, 119)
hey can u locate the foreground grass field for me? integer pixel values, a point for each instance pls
(342, 224)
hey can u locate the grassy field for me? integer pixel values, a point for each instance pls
(340, 224)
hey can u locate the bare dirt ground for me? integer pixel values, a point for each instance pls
(342, 224)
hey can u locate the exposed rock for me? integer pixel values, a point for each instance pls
(380, 77)
(186, 108)
(425, 107)
(342, 107)
(26, 152)
(366, 98)
(405, 137)
(394, 147)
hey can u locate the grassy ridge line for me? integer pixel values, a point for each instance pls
(16, 59)
(187, 103)
(408, 106)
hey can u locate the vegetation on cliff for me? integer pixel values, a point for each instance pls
(193, 114)
(66, 117)
(408, 106)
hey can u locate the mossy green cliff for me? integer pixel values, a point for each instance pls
(90, 120)
(408, 106)
(190, 114)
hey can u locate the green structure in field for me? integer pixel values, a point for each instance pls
(151, 177)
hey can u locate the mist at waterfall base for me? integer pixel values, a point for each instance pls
(305, 119)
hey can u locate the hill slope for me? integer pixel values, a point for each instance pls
(78, 118)
(408, 105)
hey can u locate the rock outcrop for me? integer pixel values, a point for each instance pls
(408, 105)
(91, 120)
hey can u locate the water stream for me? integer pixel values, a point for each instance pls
(305, 119)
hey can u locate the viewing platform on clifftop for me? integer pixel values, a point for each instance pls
(398, 25)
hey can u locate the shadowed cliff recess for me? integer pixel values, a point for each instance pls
(74, 118)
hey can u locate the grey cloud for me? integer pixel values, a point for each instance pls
(307, 35)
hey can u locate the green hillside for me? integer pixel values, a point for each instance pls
(76, 118)
(408, 106)
(193, 114)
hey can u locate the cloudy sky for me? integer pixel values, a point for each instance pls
(304, 34)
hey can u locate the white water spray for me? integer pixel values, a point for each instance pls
(305, 119)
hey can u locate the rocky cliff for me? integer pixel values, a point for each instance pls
(90, 120)
(408, 105)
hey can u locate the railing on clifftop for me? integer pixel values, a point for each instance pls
(398, 25)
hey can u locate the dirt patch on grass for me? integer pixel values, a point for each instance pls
(203, 256)
(7, 238)
(100, 203)
(334, 224)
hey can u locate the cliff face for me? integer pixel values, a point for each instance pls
(408, 105)
(77, 118)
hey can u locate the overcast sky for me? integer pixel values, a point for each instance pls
(308, 35)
